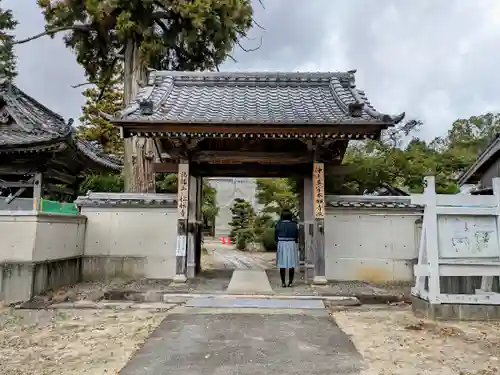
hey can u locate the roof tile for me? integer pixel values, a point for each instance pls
(208, 97)
(32, 125)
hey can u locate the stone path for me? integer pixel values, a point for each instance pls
(244, 341)
(227, 257)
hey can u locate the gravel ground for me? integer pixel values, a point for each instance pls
(218, 263)
(393, 341)
(43, 342)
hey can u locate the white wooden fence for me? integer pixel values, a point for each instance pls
(460, 237)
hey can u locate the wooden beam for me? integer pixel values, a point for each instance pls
(166, 167)
(242, 157)
(13, 170)
(61, 176)
(251, 170)
(273, 130)
(16, 184)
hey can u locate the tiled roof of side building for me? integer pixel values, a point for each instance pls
(263, 98)
(98, 155)
(23, 120)
(26, 123)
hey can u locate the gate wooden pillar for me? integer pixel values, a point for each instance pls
(307, 216)
(318, 182)
(300, 216)
(199, 223)
(183, 188)
(192, 237)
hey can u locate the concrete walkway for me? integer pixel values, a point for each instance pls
(249, 281)
(296, 339)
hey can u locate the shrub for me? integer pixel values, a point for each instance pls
(243, 237)
(267, 239)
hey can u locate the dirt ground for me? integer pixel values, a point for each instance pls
(393, 341)
(40, 342)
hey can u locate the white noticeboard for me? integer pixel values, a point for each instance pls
(180, 249)
(467, 237)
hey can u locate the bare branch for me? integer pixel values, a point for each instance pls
(249, 49)
(231, 57)
(258, 25)
(81, 85)
(107, 79)
(52, 32)
(262, 4)
(159, 15)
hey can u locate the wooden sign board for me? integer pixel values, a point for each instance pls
(319, 190)
(183, 191)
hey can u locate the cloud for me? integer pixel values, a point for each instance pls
(434, 59)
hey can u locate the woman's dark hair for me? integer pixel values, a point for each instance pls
(286, 214)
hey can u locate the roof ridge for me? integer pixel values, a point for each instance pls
(252, 77)
(36, 102)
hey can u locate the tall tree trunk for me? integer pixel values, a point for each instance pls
(139, 152)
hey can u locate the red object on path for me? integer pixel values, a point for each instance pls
(223, 240)
(228, 240)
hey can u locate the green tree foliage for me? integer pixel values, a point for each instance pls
(242, 223)
(172, 35)
(100, 100)
(7, 56)
(209, 206)
(276, 194)
(403, 163)
(101, 183)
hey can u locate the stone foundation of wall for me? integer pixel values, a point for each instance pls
(423, 309)
(21, 281)
(108, 267)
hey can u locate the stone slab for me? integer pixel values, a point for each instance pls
(450, 311)
(247, 311)
(153, 306)
(249, 281)
(258, 303)
(123, 305)
(256, 344)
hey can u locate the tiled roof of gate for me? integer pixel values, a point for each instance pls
(213, 97)
(29, 124)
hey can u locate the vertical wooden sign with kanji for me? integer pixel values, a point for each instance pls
(182, 219)
(183, 191)
(319, 190)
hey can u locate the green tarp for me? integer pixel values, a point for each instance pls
(54, 207)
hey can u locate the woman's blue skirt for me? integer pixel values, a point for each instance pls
(287, 254)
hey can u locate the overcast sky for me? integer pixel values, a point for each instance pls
(437, 60)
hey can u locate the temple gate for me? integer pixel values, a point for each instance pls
(294, 125)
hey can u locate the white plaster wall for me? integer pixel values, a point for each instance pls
(150, 233)
(26, 236)
(377, 245)
(59, 236)
(17, 236)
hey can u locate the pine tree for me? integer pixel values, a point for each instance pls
(7, 56)
(242, 217)
(102, 99)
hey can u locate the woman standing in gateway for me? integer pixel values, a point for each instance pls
(287, 236)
